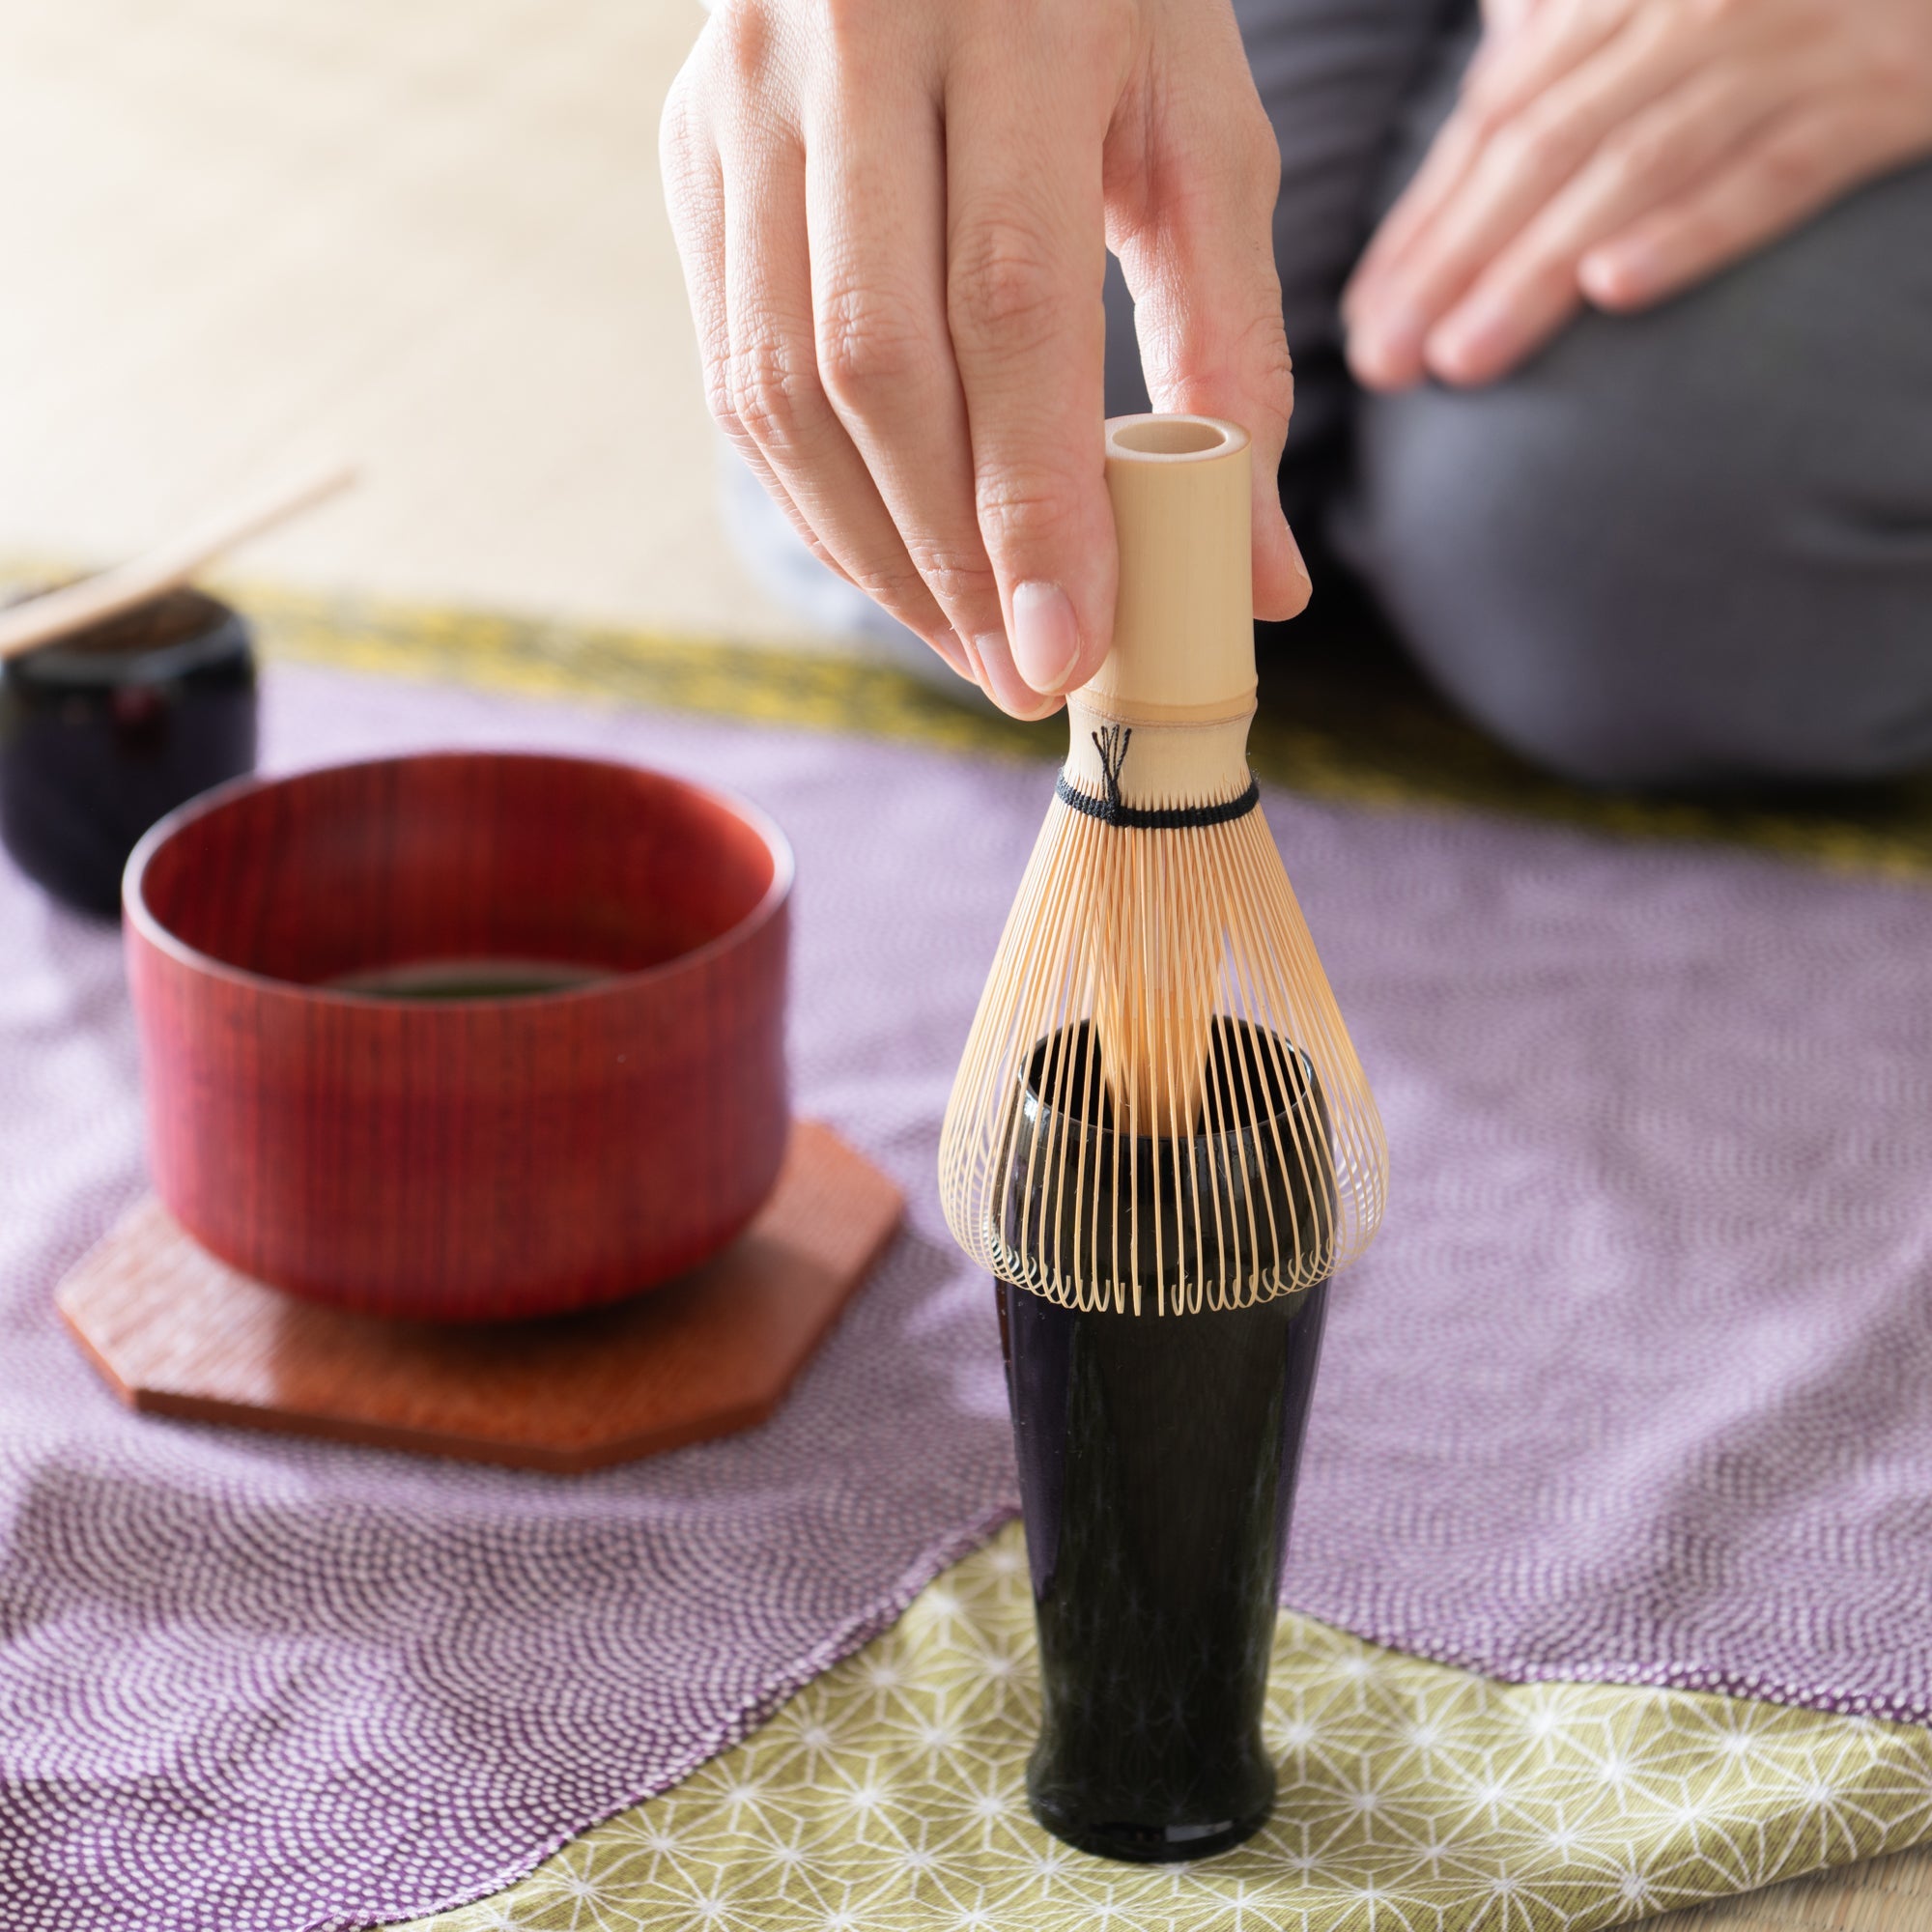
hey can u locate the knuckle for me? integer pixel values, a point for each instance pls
(868, 347)
(1795, 161)
(959, 579)
(1022, 507)
(1636, 154)
(1251, 362)
(821, 550)
(717, 390)
(894, 586)
(855, 36)
(1480, 109)
(1265, 358)
(774, 399)
(1531, 145)
(746, 44)
(1488, 106)
(847, 23)
(1003, 287)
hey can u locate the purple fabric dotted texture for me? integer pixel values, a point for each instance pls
(1636, 1385)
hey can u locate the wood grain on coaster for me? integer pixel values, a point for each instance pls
(175, 1332)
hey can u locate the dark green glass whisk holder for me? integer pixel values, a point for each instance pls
(1157, 1462)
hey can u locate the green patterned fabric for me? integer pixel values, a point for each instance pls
(889, 1797)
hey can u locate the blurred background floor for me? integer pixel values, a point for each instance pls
(424, 234)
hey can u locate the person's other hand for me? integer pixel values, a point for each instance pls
(1502, 17)
(1619, 151)
(892, 217)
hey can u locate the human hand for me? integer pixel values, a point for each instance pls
(1618, 152)
(1501, 17)
(892, 217)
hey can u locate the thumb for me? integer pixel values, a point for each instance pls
(1207, 313)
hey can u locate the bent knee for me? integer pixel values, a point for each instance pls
(1634, 576)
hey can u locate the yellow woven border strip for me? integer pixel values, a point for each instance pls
(816, 690)
(1401, 754)
(1390, 752)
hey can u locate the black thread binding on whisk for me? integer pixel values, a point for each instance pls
(1111, 742)
(1112, 746)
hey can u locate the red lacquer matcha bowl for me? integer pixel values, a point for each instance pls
(465, 1036)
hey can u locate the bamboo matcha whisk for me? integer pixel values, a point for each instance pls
(1159, 1107)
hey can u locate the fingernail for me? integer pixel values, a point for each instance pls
(1613, 276)
(1471, 339)
(1046, 635)
(1003, 683)
(947, 643)
(1383, 346)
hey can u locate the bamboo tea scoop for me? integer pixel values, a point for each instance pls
(78, 606)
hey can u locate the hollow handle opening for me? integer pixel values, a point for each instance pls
(1183, 647)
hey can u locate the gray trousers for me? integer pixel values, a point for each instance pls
(1692, 546)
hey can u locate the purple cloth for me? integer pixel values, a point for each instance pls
(1637, 1385)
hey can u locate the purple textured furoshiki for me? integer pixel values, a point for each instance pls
(1637, 1384)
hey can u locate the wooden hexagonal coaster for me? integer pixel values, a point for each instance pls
(175, 1332)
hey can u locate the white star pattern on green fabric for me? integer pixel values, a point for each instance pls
(888, 1796)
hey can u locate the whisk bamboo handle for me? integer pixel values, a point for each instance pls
(76, 607)
(1183, 648)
